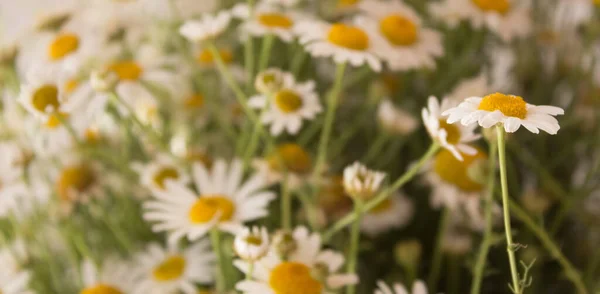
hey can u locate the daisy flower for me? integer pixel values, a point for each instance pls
(344, 42)
(207, 27)
(509, 19)
(266, 20)
(171, 270)
(405, 44)
(113, 277)
(451, 137)
(418, 288)
(283, 3)
(162, 169)
(289, 106)
(13, 279)
(394, 212)
(361, 182)
(395, 120)
(252, 244)
(224, 201)
(510, 110)
(288, 160)
(307, 270)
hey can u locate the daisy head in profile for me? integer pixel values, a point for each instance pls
(453, 138)
(223, 200)
(510, 111)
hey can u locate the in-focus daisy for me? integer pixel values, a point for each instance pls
(288, 160)
(306, 270)
(395, 120)
(510, 110)
(252, 244)
(207, 27)
(394, 212)
(361, 182)
(405, 44)
(509, 19)
(266, 20)
(454, 138)
(172, 270)
(114, 277)
(285, 109)
(417, 288)
(223, 200)
(344, 42)
(163, 168)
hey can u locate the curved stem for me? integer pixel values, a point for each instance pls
(436, 263)
(354, 242)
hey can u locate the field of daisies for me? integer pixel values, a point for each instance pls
(301, 147)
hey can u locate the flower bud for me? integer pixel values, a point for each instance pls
(103, 81)
(252, 244)
(269, 81)
(284, 243)
(361, 182)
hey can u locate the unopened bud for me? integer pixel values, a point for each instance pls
(269, 81)
(284, 243)
(103, 81)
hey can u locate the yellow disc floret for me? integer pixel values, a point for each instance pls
(101, 289)
(77, 178)
(127, 70)
(499, 6)
(164, 174)
(55, 120)
(207, 207)
(382, 207)
(509, 105)
(452, 131)
(288, 101)
(63, 45)
(349, 37)
(46, 97)
(170, 269)
(293, 278)
(275, 20)
(194, 101)
(456, 172)
(206, 56)
(399, 30)
(293, 158)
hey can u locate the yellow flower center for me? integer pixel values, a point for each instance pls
(127, 70)
(382, 207)
(293, 278)
(170, 269)
(347, 3)
(452, 130)
(92, 135)
(399, 30)
(275, 20)
(293, 158)
(195, 101)
(63, 45)
(100, 289)
(78, 178)
(456, 172)
(71, 85)
(253, 240)
(207, 206)
(500, 6)
(349, 37)
(165, 173)
(288, 101)
(206, 57)
(55, 119)
(597, 2)
(196, 155)
(509, 105)
(45, 96)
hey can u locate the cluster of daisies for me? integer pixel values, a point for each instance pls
(276, 147)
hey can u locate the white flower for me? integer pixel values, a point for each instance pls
(404, 43)
(103, 81)
(288, 160)
(284, 3)
(269, 81)
(155, 174)
(454, 138)
(268, 20)
(512, 111)
(13, 278)
(224, 201)
(394, 212)
(418, 288)
(78, 180)
(172, 270)
(286, 108)
(251, 244)
(509, 19)
(395, 120)
(361, 182)
(208, 27)
(115, 276)
(308, 266)
(345, 43)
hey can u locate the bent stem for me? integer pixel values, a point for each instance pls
(215, 238)
(487, 235)
(354, 242)
(436, 262)
(510, 247)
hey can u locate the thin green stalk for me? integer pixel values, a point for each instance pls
(309, 208)
(250, 271)
(332, 101)
(354, 242)
(376, 147)
(510, 247)
(487, 235)
(298, 61)
(249, 63)
(436, 263)
(253, 143)
(383, 195)
(215, 237)
(265, 53)
(286, 205)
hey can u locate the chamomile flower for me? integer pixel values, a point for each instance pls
(361, 182)
(510, 110)
(288, 160)
(405, 44)
(395, 120)
(113, 277)
(283, 3)
(268, 20)
(223, 200)
(394, 212)
(286, 108)
(417, 288)
(451, 137)
(172, 270)
(13, 278)
(252, 244)
(162, 169)
(346, 43)
(307, 269)
(77, 180)
(509, 19)
(207, 27)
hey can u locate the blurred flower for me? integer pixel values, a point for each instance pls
(251, 244)
(115, 276)
(267, 20)
(393, 213)
(271, 80)
(208, 27)
(408, 253)
(395, 120)
(155, 174)
(418, 288)
(288, 160)
(103, 81)
(13, 278)
(361, 182)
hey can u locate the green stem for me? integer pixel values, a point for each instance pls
(253, 144)
(510, 247)
(250, 271)
(354, 242)
(286, 205)
(332, 102)
(265, 53)
(249, 62)
(383, 195)
(309, 208)
(298, 61)
(376, 147)
(487, 235)
(454, 274)
(215, 237)
(436, 261)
